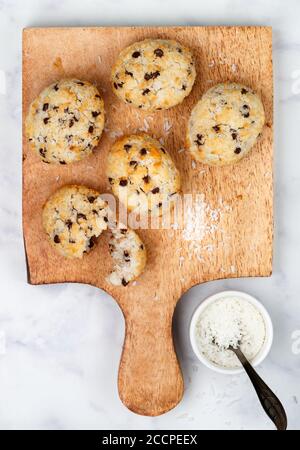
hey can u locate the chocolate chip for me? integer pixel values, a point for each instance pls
(96, 113)
(81, 216)
(69, 223)
(163, 150)
(91, 129)
(245, 110)
(237, 150)
(124, 282)
(45, 106)
(234, 136)
(115, 86)
(92, 241)
(183, 87)
(179, 50)
(143, 151)
(120, 84)
(133, 163)
(127, 147)
(80, 83)
(155, 190)
(136, 54)
(159, 205)
(123, 230)
(216, 128)
(126, 253)
(158, 52)
(141, 247)
(128, 73)
(46, 120)
(56, 239)
(244, 91)
(43, 152)
(105, 219)
(151, 75)
(66, 110)
(56, 87)
(110, 180)
(123, 182)
(97, 96)
(146, 179)
(71, 123)
(200, 139)
(91, 199)
(62, 162)
(145, 91)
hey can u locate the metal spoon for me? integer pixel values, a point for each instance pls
(270, 403)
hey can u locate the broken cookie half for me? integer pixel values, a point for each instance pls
(75, 216)
(129, 255)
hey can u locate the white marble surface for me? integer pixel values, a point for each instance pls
(60, 345)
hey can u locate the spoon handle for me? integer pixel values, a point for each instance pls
(270, 403)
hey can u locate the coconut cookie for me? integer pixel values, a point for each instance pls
(225, 124)
(73, 218)
(65, 121)
(142, 174)
(129, 256)
(154, 74)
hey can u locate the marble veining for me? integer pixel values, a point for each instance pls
(60, 345)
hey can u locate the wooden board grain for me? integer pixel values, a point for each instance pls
(237, 201)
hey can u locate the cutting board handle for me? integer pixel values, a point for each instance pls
(150, 380)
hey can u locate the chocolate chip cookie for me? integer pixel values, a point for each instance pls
(129, 256)
(142, 174)
(154, 74)
(73, 218)
(225, 124)
(65, 122)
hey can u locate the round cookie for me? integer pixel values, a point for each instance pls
(225, 124)
(142, 174)
(65, 121)
(154, 74)
(73, 217)
(129, 256)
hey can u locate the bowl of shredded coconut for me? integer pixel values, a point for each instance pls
(230, 319)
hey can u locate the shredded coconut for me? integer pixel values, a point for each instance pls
(201, 222)
(167, 125)
(115, 134)
(230, 321)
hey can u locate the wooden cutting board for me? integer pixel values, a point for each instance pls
(232, 236)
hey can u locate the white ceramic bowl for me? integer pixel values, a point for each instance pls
(268, 324)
